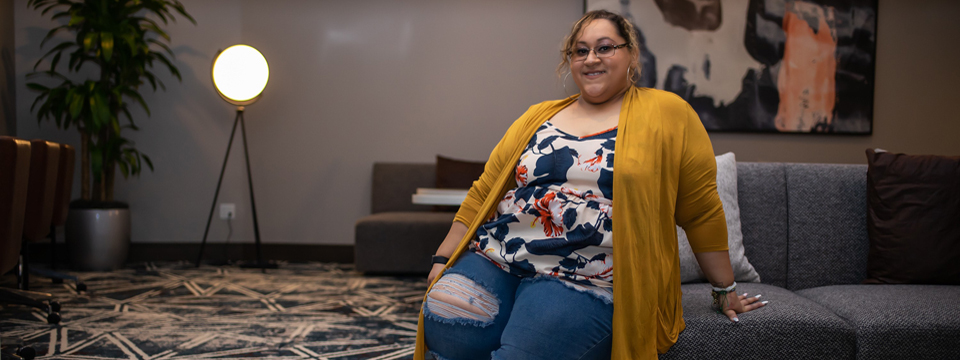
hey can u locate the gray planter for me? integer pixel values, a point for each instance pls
(98, 239)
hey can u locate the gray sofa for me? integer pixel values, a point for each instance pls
(804, 231)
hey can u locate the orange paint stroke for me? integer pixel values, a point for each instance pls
(807, 78)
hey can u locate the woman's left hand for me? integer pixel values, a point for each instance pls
(738, 304)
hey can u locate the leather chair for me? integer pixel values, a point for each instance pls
(44, 165)
(61, 201)
(61, 206)
(14, 174)
(38, 214)
(14, 177)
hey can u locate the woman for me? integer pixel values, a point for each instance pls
(532, 249)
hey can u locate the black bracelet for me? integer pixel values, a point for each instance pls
(437, 259)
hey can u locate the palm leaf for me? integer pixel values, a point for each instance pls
(60, 47)
(173, 69)
(50, 34)
(89, 40)
(76, 105)
(106, 44)
(136, 96)
(149, 163)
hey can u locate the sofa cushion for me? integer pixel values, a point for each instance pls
(897, 321)
(789, 327)
(914, 205)
(727, 188)
(399, 242)
(762, 196)
(827, 210)
(395, 183)
(456, 174)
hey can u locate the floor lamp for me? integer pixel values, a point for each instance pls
(239, 74)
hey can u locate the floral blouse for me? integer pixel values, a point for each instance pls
(558, 221)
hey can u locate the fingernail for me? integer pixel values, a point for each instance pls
(764, 302)
(736, 319)
(758, 296)
(745, 294)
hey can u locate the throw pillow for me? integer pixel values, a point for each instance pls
(743, 271)
(456, 174)
(912, 218)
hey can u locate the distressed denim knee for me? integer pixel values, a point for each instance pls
(467, 309)
(455, 299)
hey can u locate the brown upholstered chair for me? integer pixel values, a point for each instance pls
(61, 206)
(61, 200)
(35, 220)
(14, 173)
(44, 164)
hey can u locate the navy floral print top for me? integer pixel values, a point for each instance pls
(558, 221)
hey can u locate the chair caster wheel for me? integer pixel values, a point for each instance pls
(53, 318)
(27, 353)
(81, 286)
(54, 306)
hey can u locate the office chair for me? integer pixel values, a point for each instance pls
(14, 175)
(38, 215)
(61, 206)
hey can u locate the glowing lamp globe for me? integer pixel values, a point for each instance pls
(240, 73)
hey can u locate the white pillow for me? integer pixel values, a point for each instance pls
(727, 187)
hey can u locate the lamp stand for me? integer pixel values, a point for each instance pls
(260, 264)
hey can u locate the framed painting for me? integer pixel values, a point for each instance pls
(778, 66)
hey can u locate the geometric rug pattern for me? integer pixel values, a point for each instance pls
(160, 311)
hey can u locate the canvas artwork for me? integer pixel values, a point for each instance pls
(789, 66)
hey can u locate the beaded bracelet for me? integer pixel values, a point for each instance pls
(720, 296)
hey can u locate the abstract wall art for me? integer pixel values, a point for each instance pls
(781, 66)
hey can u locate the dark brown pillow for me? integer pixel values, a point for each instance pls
(456, 174)
(913, 218)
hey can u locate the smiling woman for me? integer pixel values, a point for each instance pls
(531, 251)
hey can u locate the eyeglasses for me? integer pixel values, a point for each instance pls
(602, 51)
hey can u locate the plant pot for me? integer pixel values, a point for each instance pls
(98, 235)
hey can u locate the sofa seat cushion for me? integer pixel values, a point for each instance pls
(897, 321)
(790, 327)
(399, 242)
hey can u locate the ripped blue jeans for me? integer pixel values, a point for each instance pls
(478, 311)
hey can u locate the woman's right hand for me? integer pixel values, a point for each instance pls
(434, 272)
(448, 246)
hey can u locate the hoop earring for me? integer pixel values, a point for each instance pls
(564, 83)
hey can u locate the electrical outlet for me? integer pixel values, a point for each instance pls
(228, 211)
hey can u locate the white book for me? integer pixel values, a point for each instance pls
(430, 196)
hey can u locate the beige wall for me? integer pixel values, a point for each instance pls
(351, 83)
(8, 101)
(354, 82)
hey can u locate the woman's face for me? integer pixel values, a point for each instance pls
(600, 78)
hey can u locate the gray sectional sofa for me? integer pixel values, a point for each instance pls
(804, 231)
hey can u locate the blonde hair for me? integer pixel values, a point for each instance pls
(625, 29)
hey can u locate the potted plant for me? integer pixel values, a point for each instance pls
(122, 39)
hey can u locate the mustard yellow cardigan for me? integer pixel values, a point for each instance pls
(665, 175)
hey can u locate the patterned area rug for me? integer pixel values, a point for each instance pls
(177, 311)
